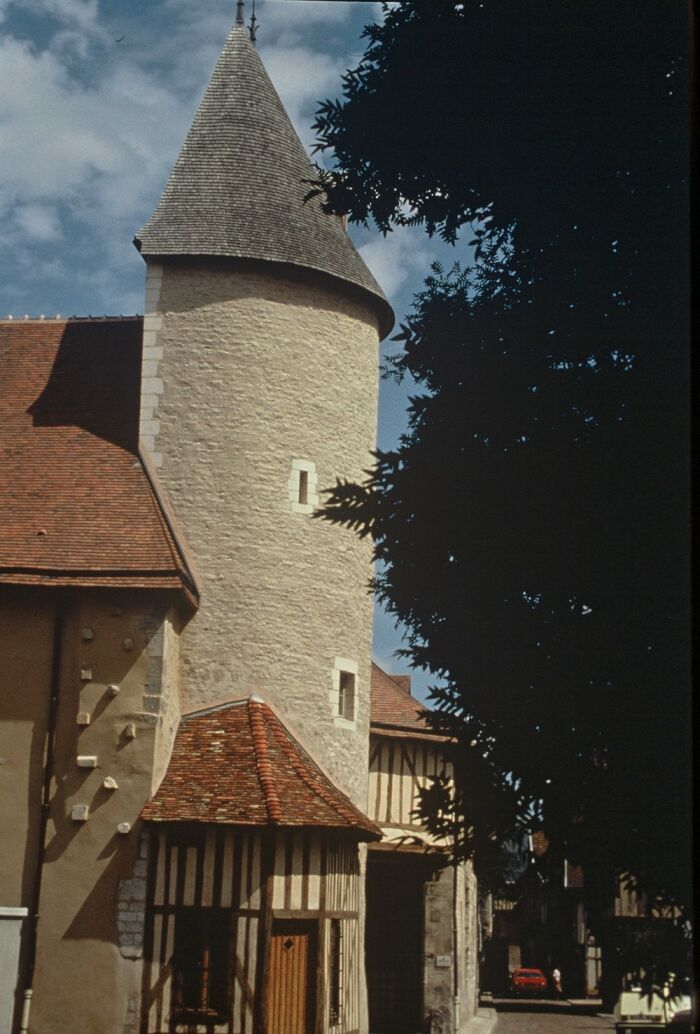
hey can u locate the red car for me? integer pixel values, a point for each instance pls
(525, 981)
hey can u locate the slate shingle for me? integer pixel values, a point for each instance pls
(238, 185)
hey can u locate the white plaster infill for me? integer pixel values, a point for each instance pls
(152, 354)
(9, 912)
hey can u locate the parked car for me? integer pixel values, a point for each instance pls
(637, 1011)
(526, 981)
(682, 1022)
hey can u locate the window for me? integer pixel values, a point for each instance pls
(302, 486)
(344, 693)
(335, 971)
(201, 964)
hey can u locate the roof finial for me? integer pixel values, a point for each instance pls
(239, 12)
(253, 30)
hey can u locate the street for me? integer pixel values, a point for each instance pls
(549, 1018)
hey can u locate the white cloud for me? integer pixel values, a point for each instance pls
(404, 254)
(302, 77)
(300, 16)
(39, 222)
(90, 127)
(58, 137)
(83, 13)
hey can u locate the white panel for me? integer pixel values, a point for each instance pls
(208, 877)
(407, 791)
(315, 873)
(227, 871)
(384, 781)
(252, 966)
(160, 871)
(297, 869)
(11, 922)
(190, 875)
(174, 851)
(168, 985)
(238, 991)
(256, 875)
(156, 1007)
(278, 880)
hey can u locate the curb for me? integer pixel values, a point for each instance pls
(483, 1022)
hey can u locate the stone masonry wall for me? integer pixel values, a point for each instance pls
(246, 374)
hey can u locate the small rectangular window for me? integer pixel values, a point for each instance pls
(346, 695)
(335, 972)
(201, 964)
(303, 487)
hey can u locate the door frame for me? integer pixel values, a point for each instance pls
(314, 989)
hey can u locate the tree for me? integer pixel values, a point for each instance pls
(532, 523)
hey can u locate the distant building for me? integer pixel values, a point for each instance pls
(422, 913)
(543, 922)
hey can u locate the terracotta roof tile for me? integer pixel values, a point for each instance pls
(540, 843)
(393, 711)
(237, 764)
(76, 504)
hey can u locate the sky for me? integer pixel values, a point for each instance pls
(96, 97)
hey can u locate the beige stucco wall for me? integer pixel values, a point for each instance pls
(244, 372)
(26, 633)
(88, 964)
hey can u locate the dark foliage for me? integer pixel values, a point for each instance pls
(533, 523)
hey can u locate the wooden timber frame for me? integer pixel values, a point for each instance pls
(261, 878)
(399, 768)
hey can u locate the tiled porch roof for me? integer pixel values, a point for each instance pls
(238, 764)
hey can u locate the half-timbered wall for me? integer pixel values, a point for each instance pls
(256, 880)
(398, 769)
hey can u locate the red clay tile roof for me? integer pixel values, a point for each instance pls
(393, 711)
(237, 764)
(77, 506)
(540, 843)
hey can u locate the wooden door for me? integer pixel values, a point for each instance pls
(394, 945)
(291, 979)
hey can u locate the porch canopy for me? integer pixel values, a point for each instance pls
(237, 764)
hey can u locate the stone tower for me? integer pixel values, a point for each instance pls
(259, 390)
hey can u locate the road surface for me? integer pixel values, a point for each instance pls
(549, 1018)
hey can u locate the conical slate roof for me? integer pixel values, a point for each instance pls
(237, 187)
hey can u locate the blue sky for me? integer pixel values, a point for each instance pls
(90, 127)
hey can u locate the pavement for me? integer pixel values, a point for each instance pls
(486, 1016)
(485, 1019)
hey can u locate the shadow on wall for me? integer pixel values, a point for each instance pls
(270, 282)
(94, 381)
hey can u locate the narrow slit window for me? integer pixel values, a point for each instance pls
(303, 487)
(346, 695)
(335, 971)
